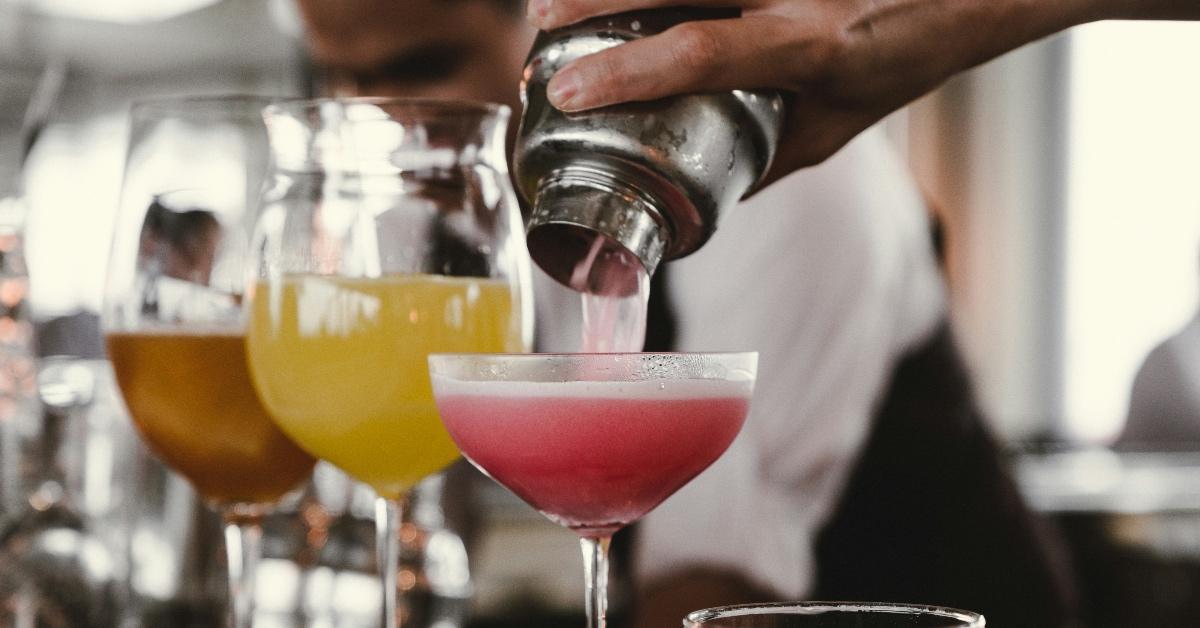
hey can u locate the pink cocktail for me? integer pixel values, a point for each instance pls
(593, 441)
(594, 456)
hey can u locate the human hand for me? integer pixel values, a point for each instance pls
(846, 63)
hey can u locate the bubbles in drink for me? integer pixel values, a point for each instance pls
(614, 288)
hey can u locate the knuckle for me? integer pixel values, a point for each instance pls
(816, 57)
(697, 46)
(563, 12)
(567, 9)
(832, 53)
(605, 72)
(608, 69)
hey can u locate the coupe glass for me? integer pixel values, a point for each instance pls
(832, 615)
(593, 441)
(389, 231)
(173, 319)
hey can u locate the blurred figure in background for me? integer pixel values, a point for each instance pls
(185, 240)
(1164, 405)
(865, 470)
(472, 50)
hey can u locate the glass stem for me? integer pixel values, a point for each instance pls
(387, 546)
(243, 547)
(595, 572)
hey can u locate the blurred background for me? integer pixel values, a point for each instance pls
(1064, 176)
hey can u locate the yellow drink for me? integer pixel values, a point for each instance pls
(341, 364)
(189, 394)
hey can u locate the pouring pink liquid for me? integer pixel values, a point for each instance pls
(615, 290)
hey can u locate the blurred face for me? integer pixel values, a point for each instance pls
(465, 49)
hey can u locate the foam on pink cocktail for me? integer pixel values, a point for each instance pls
(593, 456)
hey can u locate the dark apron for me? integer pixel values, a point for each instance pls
(931, 514)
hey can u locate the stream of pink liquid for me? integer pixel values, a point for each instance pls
(615, 289)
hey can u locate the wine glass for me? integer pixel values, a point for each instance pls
(389, 231)
(173, 319)
(832, 615)
(594, 441)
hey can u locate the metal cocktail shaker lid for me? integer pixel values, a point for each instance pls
(650, 180)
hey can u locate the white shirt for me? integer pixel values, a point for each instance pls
(830, 276)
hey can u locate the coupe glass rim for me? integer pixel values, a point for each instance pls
(460, 366)
(696, 618)
(447, 105)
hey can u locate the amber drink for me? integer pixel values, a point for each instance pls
(192, 400)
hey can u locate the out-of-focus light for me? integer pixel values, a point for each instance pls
(120, 11)
(1133, 229)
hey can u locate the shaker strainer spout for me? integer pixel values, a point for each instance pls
(581, 216)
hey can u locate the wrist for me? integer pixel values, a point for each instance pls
(996, 27)
(1042, 18)
(1150, 10)
(1067, 13)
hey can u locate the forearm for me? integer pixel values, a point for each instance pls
(1149, 9)
(981, 30)
(900, 49)
(1014, 23)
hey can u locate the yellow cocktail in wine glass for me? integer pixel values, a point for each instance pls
(341, 363)
(390, 231)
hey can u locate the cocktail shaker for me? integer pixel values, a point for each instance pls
(653, 178)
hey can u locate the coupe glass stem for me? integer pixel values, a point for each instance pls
(243, 547)
(387, 547)
(595, 572)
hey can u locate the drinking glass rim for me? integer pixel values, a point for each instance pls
(696, 618)
(447, 105)
(581, 354)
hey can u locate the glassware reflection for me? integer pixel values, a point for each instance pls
(832, 615)
(63, 545)
(18, 399)
(123, 541)
(318, 567)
